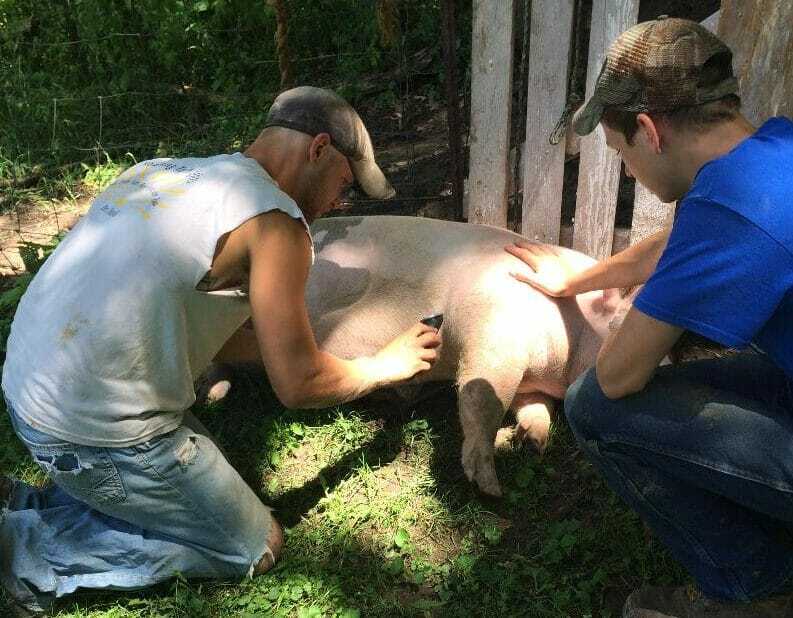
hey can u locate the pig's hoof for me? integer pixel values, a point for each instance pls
(504, 439)
(491, 488)
(218, 391)
(480, 468)
(214, 385)
(533, 433)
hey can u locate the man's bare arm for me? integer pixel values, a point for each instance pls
(302, 375)
(627, 268)
(631, 353)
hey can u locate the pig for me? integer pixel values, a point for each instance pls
(506, 345)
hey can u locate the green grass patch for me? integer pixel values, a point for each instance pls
(381, 522)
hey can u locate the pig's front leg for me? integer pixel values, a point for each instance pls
(533, 415)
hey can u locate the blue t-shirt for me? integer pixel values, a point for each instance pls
(727, 270)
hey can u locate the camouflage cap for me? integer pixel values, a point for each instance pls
(657, 66)
(316, 110)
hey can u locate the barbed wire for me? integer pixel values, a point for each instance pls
(139, 35)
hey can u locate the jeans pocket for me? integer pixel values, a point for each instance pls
(86, 473)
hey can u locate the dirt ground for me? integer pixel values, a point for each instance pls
(37, 223)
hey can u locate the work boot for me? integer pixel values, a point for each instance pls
(688, 602)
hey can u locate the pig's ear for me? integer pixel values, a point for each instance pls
(611, 299)
(623, 301)
(628, 295)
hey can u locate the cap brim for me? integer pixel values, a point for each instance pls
(588, 117)
(371, 179)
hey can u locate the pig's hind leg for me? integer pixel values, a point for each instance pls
(482, 402)
(533, 422)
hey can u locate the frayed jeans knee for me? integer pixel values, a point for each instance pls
(704, 454)
(127, 518)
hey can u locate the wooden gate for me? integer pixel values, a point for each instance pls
(763, 61)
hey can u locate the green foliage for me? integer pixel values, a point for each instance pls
(389, 532)
(98, 177)
(175, 77)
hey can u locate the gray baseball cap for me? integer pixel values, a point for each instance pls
(316, 110)
(657, 66)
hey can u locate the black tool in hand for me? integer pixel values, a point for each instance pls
(433, 320)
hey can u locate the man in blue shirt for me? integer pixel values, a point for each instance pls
(703, 451)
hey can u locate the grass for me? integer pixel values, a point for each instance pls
(381, 522)
(26, 183)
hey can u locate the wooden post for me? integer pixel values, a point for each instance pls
(546, 99)
(491, 102)
(759, 34)
(599, 168)
(449, 30)
(282, 42)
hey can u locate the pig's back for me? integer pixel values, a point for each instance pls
(374, 276)
(395, 244)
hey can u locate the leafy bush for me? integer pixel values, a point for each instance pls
(184, 76)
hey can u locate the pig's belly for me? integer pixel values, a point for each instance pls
(547, 360)
(349, 322)
(363, 328)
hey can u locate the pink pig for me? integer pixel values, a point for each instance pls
(506, 345)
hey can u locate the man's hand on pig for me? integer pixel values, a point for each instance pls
(410, 353)
(550, 273)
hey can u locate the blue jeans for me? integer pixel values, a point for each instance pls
(704, 454)
(127, 518)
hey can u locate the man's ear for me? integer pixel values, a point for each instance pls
(318, 146)
(650, 130)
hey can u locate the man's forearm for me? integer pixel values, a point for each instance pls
(625, 269)
(335, 381)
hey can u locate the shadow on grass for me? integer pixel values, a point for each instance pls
(556, 545)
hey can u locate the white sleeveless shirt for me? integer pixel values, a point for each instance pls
(111, 334)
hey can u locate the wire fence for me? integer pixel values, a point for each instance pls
(403, 108)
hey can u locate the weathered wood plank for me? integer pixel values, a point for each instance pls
(759, 34)
(599, 168)
(491, 102)
(620, 242)
(543, 163)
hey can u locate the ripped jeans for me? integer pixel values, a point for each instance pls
(704, 454)
(127, 518)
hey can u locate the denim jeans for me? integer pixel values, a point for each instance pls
(127, 518)
(704, 454)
